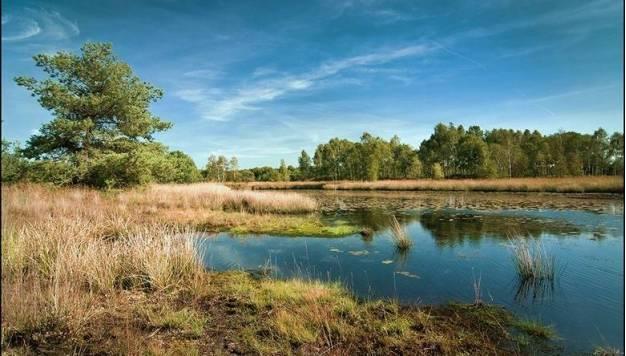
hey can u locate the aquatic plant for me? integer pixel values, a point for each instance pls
(399, 235)
(532, 262)
(477, 289)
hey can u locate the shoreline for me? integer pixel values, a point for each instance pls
(565, 185)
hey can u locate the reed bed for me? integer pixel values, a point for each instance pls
(217, 196)
(595, 184)
(399, 235)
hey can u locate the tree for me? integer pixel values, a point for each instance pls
(415, 169)
(14, 166)
(616, 153)
(473, 156)
(234, 169)
(283, 171)
(437, 171)
(304, 163)
(100, 108)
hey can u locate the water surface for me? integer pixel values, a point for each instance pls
(453, 249)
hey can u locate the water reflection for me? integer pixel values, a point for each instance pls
(534, 291)
(452, 227)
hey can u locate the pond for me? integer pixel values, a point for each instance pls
(454, 249)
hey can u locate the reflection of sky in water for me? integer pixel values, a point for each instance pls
(451, 248)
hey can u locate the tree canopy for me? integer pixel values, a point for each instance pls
(102, 126)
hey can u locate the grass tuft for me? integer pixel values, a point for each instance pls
(532, 262)
(399, 235)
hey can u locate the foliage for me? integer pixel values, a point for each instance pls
(454, 152)
(436, 172)
(102, 129)
(13, 163)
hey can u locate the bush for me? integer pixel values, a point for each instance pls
(55, 172)
(118, 170)
(14, 165)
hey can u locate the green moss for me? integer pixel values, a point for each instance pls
(296, 226)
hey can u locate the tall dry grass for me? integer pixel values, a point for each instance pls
(600, 184)
(70, 256)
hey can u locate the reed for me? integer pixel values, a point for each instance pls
(399, 235)
(532, 262)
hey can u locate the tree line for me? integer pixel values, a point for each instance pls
(455, 152)
(102, 134)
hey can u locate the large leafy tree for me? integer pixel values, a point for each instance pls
(97, 102)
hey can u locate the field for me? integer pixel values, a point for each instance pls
(85, 271)
(598, 184)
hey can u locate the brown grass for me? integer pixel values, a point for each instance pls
(220, 197)
(112, 273)
(600, 184)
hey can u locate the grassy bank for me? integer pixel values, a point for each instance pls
(206, 207)
(89, 272)
(603, 184)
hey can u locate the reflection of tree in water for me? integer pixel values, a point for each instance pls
(377, 219)
(449, 229)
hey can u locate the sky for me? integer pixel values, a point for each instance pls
(262, 80)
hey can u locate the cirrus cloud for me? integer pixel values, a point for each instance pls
(37, 23)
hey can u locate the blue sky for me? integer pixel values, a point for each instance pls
(263, 80)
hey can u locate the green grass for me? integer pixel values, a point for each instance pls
(187, 321)
(296, 226)
(535, 328)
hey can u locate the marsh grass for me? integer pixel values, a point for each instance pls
(399, 235)
(217, 196)
(591, 184)
(532, 262)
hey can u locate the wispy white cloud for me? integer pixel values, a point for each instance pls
(222, 107)
(17, 29)
(37, 23)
